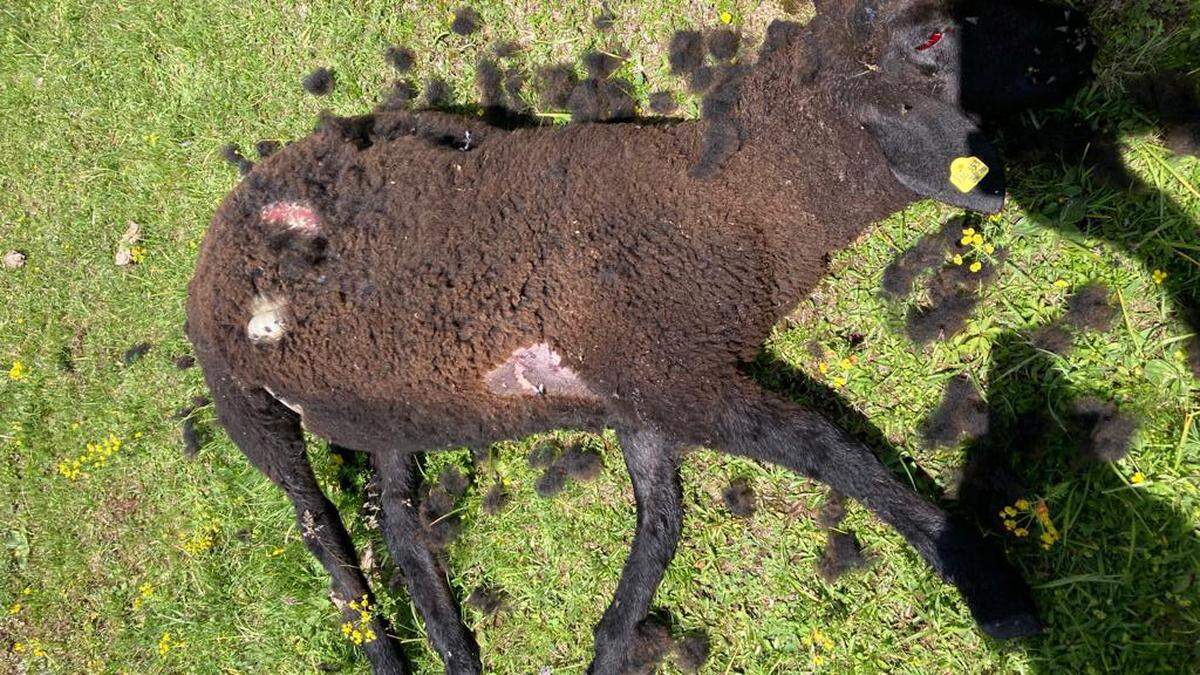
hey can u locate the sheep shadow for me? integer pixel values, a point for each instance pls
(1106, 590)
(1066, 168)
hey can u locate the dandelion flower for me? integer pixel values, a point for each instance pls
(726, 18)
(1137, 478)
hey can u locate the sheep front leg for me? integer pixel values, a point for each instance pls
(659, 520)
(400, 481)
(759, 425)
(270, 436)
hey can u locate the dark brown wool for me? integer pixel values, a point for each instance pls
(487, 599)
(962, 414)
(490, 82)
(691, 652)
(605, 19)
(1090, 308)
(136, 352)
(266, 148)
(581, 463)
(507, 49)
(319, 82)
(953, 293)
(842, 554)
(701, 79)
(1053, 338)
(453, 481)
(437, 93)
(832, 512)
(466, 21)
(402, 94)
(400, 58)
(556, 84)
(496, 499)
(723, 44)
(929, 252)
(686, 52)
(230, 153)
(552, 481)
(663, 103)
(651, 644)
(1107, 432)
(600, 64)
(184, 361)
(739, 498)
(192, 438)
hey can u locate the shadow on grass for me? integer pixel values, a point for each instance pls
(1114, 592)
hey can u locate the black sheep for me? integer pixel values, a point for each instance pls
(407, 282)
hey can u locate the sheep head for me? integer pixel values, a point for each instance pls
(922, 76)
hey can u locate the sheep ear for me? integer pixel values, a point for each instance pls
(935, 151)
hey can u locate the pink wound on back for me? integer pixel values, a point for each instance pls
(292, 215)
(536, 370)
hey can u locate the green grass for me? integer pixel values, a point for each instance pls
(114, 112)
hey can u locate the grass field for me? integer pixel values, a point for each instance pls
(145, 561)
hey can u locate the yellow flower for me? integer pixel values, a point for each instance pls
(164, 644)
(16, 607)
(846, 363)
(137, 253)
(1159, 276)
(1009, 511)
(17, 371)
(823, 367)
(337, 459)
(1060, 283)
(977, 239)
(726, 18)
(968, 232)
(966, 240)
(1022, 504)
(818, 660)
(839, 381)
(277, 552)
(1138, 478)
(989, 249)
(18, 647)
(1021, 532)
(976, 266)
(957, 259)
(1010, 524)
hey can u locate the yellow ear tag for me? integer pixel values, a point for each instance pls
(967, 172)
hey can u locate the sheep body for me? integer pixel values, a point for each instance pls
(406, 282)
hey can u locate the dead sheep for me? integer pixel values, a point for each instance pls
(404, 282)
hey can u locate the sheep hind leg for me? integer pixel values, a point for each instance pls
(269, 435)
(759, 425)
(659, 520)
(400, 482)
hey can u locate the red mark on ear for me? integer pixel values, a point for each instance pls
(934, 38)
(292, 215)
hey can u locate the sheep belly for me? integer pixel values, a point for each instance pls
(536, 370)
